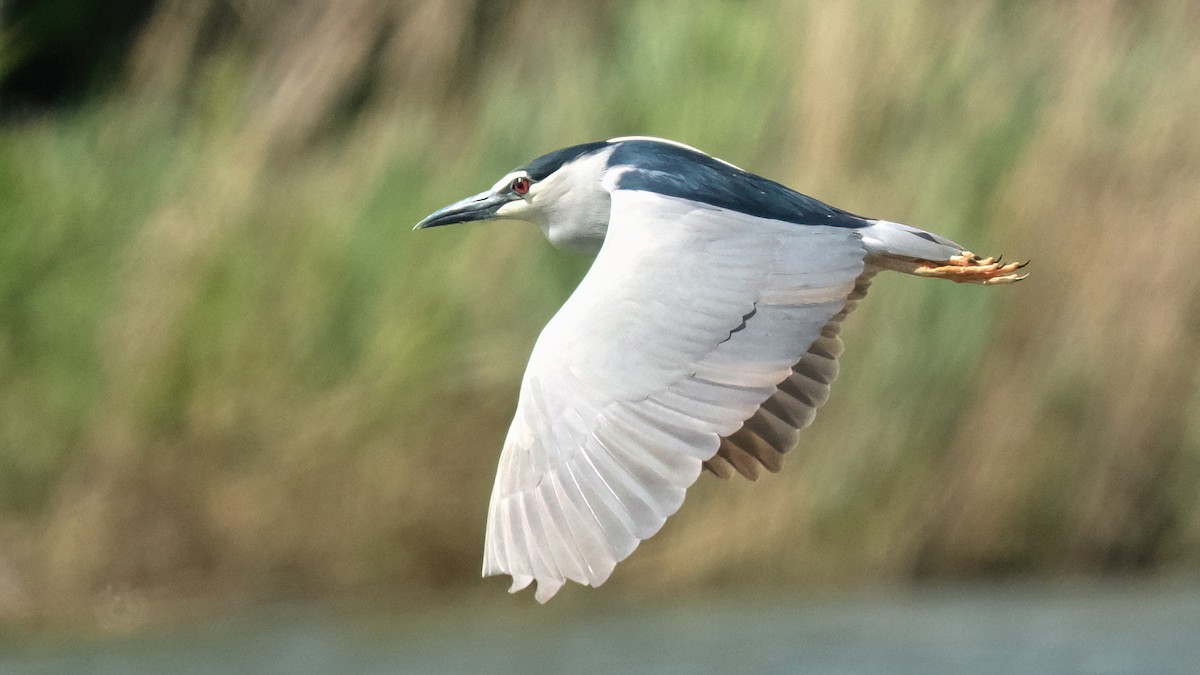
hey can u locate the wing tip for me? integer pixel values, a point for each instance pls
(548, 586)
(519, 582)
(546, 589)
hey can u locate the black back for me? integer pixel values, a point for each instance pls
(676, 171)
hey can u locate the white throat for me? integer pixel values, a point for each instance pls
(572, 205)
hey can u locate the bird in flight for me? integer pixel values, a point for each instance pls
(704, 335)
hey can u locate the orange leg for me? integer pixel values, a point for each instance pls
(965, 268)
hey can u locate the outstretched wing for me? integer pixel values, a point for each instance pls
(685, 324)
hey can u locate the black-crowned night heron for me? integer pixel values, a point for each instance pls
(705, 334)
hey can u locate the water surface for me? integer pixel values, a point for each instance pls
(1110, 628)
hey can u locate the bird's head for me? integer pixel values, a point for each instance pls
(562, 192)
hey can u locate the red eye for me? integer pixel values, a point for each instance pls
(520, 185)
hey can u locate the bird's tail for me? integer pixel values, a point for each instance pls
(885, 238)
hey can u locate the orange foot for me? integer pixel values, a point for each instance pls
(965, 268)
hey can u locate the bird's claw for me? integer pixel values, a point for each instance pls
(968, 268)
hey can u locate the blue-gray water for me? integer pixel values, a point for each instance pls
(1102, 628)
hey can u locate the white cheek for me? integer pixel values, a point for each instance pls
(513, 209)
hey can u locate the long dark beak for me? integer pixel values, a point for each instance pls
(479, 207)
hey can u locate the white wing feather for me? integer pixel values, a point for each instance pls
(682, 328)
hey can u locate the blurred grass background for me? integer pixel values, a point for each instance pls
(229, 370)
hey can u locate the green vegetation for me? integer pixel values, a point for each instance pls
(228, 367)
